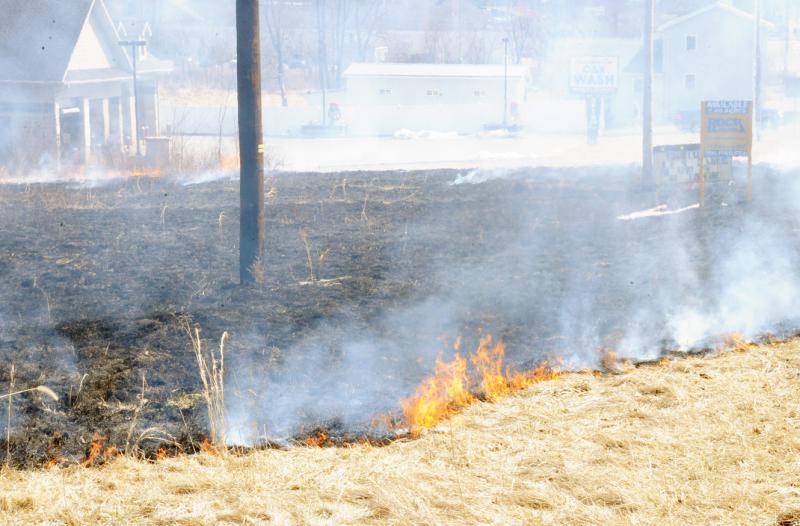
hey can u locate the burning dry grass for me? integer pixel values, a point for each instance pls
(701, 441)
(449, 390)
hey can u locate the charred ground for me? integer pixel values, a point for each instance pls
(98, 283)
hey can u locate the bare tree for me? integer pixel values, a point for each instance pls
(757, 53)
(322, 53)
(274, 19)
(340, 14)
(527, 35)
(647, 107)
(437, 35)
(365, 21)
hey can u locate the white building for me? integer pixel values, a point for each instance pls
(66, 85)
(708, 54)
(383, 98)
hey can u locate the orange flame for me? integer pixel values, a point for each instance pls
(229, 163)
(737, 343)
(489, 364)
(207, 447)
(439, 396)
(448, 390)
(52, 463)
(612, 363)
(497, 382)
(141, 171)
(161, 454)
(96, 451)
(319, 439)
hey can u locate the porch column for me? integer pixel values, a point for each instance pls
(87, 131)
(106, 121)
(120, 123)
(156, 112)
(133, 122)
(57, 119)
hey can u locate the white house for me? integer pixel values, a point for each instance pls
(707, 54)
(385, 97)
(66, 85)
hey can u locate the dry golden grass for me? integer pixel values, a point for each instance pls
(702, 441)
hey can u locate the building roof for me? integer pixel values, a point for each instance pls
(40, 38)
(386, 69)
(134, 28)
(710, 7)
(37, 37)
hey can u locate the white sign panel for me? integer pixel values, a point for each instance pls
(594, 75)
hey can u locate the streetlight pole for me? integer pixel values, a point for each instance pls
(251, 142)
(505, 82)
(135, 45)
(757, 70)
(323, 59)
(647, 102)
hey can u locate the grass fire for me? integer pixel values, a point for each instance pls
(450, 389)
(375, 361)
(336, 262)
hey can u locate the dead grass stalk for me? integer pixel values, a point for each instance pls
(211, 367)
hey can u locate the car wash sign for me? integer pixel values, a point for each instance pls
(594, 75)
(727, 128)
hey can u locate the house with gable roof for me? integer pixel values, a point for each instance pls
(66, 86)
(706, 54)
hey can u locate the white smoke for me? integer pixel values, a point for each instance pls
(674, 278)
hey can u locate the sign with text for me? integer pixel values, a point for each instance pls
(727, 128)
(594, 75)
(726, 132)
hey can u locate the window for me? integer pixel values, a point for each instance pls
(480, 93)
(434, 93)
(385, 91)
(691, 43)
(638, 86)
(690, 81)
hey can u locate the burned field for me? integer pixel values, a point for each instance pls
(369, 277)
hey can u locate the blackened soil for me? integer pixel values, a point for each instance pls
(98, 285)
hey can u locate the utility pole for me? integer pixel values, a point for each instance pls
(505, 83)
(251, 142)
(323, 58)
(787, 37)
(135, 45)
(757, 70)
(647, 103)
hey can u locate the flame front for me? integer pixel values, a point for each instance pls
(450, 389)
(443, 394)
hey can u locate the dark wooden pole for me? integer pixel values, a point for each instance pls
(647, 102)
(505, 82)
(757, 70)
(251, 142)
(323, 59)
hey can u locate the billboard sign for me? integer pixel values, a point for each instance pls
(726, 132)
(594, 75)
(727, 128)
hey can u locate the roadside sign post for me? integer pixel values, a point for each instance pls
(726, 131)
